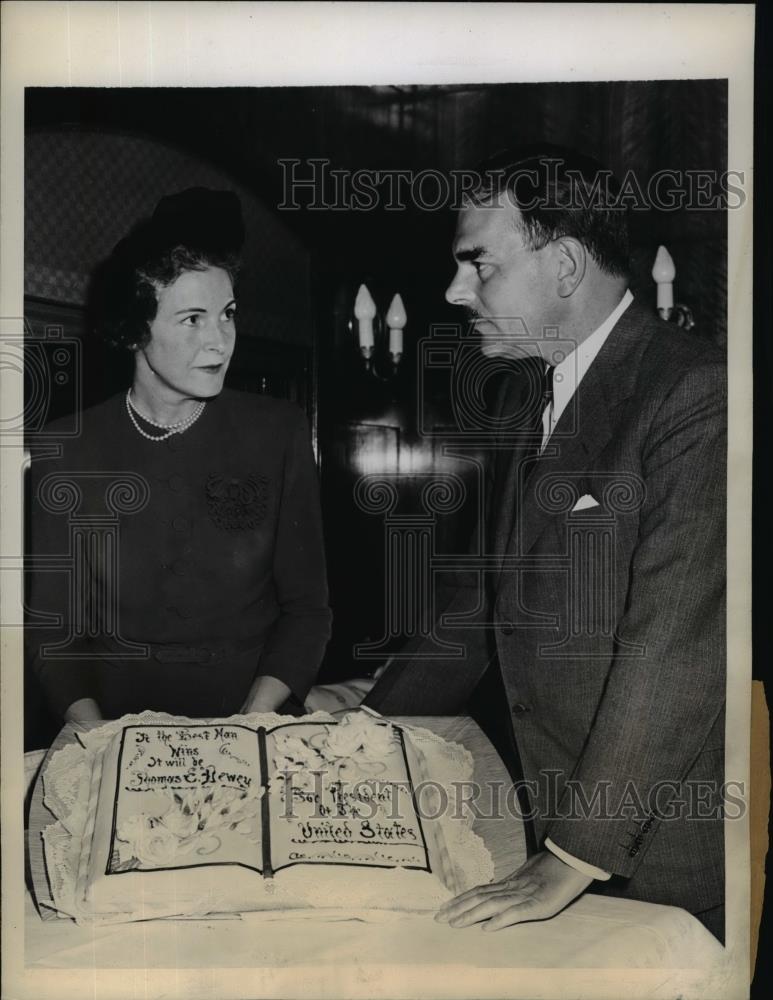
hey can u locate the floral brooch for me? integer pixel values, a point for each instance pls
(237, 504)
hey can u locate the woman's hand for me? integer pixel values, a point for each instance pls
(267, 694)
(83, 710)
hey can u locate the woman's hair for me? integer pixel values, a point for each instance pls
(190, 231)
(129, 301)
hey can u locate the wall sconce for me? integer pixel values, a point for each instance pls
(380, 339)
(664, 272)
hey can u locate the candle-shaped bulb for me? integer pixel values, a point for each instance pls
(664, 272)
(663, 269)
(364, 306)
(396, 319)
(365, 313)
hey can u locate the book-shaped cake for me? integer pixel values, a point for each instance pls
(191, 817)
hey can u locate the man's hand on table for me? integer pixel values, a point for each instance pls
(538, 890)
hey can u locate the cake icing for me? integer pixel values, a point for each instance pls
(188, 817)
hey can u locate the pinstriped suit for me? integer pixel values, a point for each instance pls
(609, 624)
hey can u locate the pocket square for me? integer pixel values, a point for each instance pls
(585, 502)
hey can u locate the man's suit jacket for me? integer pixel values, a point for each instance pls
(609, 622)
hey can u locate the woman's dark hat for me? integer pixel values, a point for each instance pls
(202, 218)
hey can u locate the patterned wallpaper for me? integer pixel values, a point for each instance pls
(83, 192)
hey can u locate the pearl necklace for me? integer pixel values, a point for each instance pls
(176, 428)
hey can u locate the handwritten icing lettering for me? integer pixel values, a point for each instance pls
(326, 831)
(186, 756)
(183, 735)
(381, 831)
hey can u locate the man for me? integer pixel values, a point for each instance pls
(608, 611)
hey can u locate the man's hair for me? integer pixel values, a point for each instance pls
(559, 193)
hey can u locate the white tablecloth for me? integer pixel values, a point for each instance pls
(594, 932)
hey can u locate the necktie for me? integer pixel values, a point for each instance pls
(545, 399)
(521, 408)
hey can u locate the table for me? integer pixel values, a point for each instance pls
(593, 933)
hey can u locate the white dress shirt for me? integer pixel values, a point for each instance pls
(567, 376)
(570, 372)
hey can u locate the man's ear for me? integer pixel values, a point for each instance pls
(572, 260)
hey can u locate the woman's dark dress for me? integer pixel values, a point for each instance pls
(216, 539)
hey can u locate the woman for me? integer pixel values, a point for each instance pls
(188, 513)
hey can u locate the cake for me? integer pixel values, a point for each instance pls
(179, 817)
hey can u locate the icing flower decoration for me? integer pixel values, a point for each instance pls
(359, 737)
(133, 828)
(158, 847)
(150, 842)
(180, 824)
(294, 754)
(296, 760)
(189, 822)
